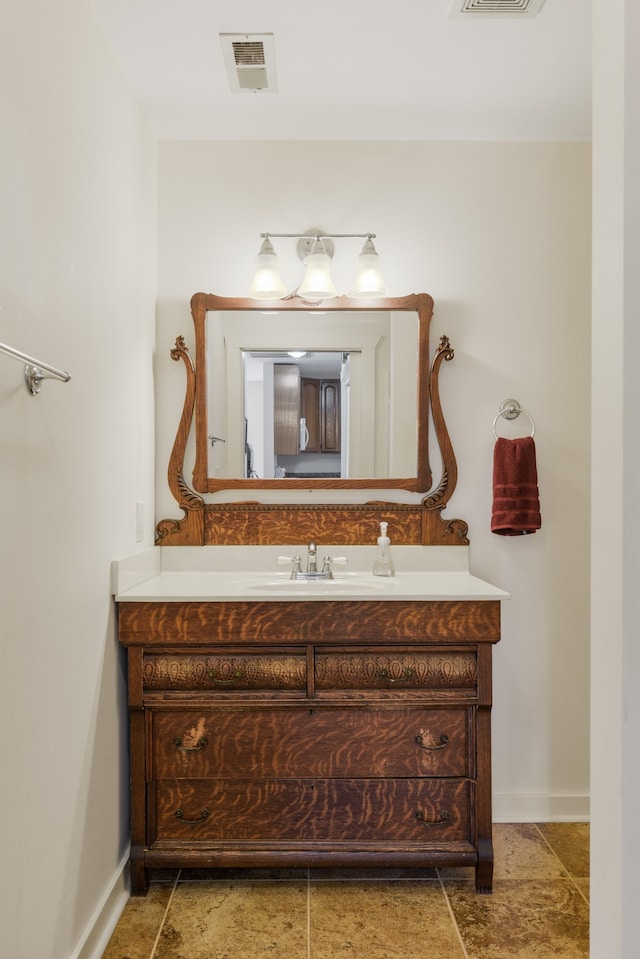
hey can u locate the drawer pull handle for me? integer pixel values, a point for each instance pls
(444, 816)
(237, 674)
(404, 678)
(202, 742)
(444, 741)
(192, 822)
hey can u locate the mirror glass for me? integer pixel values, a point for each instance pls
(296, 408)
(293, 395)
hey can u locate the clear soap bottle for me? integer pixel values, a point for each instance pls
(383, 565)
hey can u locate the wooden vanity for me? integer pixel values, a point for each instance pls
(310, 734)
(275, 730)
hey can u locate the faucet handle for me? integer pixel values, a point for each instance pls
(329, 561)
(295, 561)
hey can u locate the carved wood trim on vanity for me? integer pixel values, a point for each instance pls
(189, 531)
(258, 524)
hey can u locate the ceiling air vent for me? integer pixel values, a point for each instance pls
(495, 8)
(250, 62)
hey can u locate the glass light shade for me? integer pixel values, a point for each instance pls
(317, 283)
(267, 282)
(369, 282)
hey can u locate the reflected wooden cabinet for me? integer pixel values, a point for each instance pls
(286, 409)
(310, 410)
(320, 406)
(317, 401)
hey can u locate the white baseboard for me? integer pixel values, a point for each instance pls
(104, 920)
(520, 807)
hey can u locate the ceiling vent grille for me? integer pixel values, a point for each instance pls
(249, 59)
(496, 8)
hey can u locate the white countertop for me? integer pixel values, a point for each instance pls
(246, 574)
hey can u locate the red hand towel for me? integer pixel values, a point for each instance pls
(516, 506)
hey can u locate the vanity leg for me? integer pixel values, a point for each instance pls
(137, 778)
(139, 875)
(484, 824)
(484, 867)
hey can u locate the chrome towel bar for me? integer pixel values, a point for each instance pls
(33, 371)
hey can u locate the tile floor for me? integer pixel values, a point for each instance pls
(539, 909)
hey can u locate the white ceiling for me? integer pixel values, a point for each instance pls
(359, 69)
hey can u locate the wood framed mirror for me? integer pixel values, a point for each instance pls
(227, 331)
(268, 419)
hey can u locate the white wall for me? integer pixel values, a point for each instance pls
(499, 234)
(615, 599)
(77, 290)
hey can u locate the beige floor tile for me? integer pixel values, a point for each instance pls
(584, 887)
(522, 920)
(570, 842)
(381, 920)
(538, 910)
(521, 853)
(136, 932)
(235, 920)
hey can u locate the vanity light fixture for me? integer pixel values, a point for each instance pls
(317, 283)
(369, 280)
(267, 283)
(315, 250)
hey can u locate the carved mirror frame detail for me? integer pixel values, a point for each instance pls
(254, 523)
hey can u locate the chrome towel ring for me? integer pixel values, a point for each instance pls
(511, 410)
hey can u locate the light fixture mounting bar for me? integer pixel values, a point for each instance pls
(306, 240)
(314, 236)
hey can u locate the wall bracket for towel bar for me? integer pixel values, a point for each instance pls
(511, 410)
(35, 371)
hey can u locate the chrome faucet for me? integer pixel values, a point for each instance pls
(312, 571)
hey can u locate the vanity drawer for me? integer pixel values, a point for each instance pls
(323, 742)
(434, 670)
(221, 671)
(307, 810)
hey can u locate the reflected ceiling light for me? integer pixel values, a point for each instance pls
(315, 250)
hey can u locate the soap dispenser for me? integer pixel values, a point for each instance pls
(383, 565)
